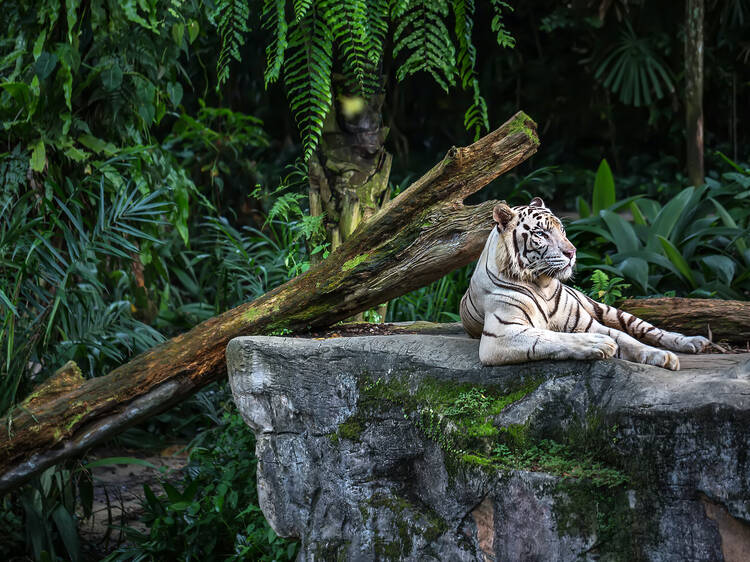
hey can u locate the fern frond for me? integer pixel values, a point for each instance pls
(422, 33)
(308, 77)
(274, 21)
(475, 118)
(463, 10)
(286, 207)
(377, 24)
(349, 26)
(398, 8)
(504, 38)
(232, 17)
(300, 8)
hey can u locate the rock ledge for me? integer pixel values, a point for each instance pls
(405, 448)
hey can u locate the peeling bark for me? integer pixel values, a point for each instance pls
(412, 241)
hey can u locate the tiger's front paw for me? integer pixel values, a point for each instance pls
(660, 358)
(691, 344)
(593, 346)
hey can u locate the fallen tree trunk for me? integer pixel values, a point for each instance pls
(728, 321)
(415, 239)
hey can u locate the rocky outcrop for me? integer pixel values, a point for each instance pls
(405, 448)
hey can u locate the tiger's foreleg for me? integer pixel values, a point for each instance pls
(640, 329)
(631, 349)
(514, 341)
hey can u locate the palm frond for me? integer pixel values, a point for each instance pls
(633, 71)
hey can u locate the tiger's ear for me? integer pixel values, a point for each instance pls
(537, 202)
(503, 215)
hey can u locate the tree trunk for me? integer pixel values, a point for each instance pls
(727, 321)
(694, 11)
(417, 238)
(349, 171)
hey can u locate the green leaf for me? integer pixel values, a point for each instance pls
(667, 218)
(97, 145)
(152, 500)
(584, 210)
(178, 32)
(604, 188)
(68, 532)
(182, 199)
(723, 266)
(112, 77)
(622, 231)
(45, 64)
(676, 258)
(174, 91)
(638, 217)
(193, 29)
(38, 156)
(729, 222)
(39, 44)
(19, 91)
(179, 506)
(108, 461)
(76, 154)
(7, 302)
(637, 270)
(648, 208)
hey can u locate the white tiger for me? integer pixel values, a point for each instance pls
(518, 306)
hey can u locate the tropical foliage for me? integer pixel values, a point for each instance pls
(695, 244)
(349, 37)
(215, 514)
(146, 187)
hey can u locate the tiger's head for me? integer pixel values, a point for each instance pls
(532, 243)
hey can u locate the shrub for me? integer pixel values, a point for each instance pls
(215, 516)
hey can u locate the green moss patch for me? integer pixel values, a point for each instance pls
(354, 262)
(519, 125)
(351, 429)
(461, 418)
(411, 521)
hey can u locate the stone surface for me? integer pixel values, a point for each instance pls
(355, 462)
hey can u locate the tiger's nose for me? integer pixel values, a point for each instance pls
(570, 253)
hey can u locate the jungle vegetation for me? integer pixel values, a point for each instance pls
(163, 161)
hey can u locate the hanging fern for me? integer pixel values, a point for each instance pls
(304, 49)
(231, 16)
(274, 21)
(423, 35)
(308, 77)
(377, 27)
(475, 118)
(504, 38)
(348, 23)
(300, 8)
